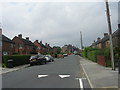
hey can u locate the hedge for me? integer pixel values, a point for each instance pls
(17, 59)
(92, 55)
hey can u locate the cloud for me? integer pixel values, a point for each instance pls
(57, 23)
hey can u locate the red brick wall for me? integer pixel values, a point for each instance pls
(26, 49)
(6, 47)
(101, 60)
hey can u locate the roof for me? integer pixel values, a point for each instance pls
(42, 45)
(116, 33)
(106, 38)
(27, 42)
(6, 39)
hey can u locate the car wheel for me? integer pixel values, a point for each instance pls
(45, 62)
(31, 64)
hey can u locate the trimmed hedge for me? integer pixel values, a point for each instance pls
(92, 55)
(17, 59)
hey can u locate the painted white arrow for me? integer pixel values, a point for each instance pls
(64, 76)
(40, 76)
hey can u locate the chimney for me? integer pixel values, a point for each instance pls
(36, 41)
(41, 41)
(94, 41)
(98, 38)
(46, 44)
(118, 26)
(20, 35)
(105, 34)
(27, 38)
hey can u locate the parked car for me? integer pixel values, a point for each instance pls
(49, 58)
(65, 55)
(37, 59)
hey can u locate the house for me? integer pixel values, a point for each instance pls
(23, 46)
(49, 48)
(8, 46)
(41, 48)
(105, 42)
(70, 49)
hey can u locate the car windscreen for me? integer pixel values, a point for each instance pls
(33, 57)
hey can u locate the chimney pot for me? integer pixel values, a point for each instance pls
(27, 38)
(105, 34)
(98, 38)
(37, 41)
(20, 35)
(41, 41)
(46, 44)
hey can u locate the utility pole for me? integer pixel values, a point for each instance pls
(81, 40)
(110, 35)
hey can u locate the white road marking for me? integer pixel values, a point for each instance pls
(80, 83)
(40, 76)
(64, 76)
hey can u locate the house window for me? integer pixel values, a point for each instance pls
(12, 46)
(20, 46)
(5, 53)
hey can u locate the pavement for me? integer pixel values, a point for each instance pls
(62, 73)
(99, 76)
(7, 70)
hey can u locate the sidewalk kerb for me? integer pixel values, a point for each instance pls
(86, 75)
(15, 69)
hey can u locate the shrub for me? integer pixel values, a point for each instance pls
(92, 55)
(17, 59)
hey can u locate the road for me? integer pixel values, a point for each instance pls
(62, 73)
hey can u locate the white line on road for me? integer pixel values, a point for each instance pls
(40, 76)
(81, 84)
(64, 76)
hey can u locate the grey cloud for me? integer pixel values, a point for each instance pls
(57, 23)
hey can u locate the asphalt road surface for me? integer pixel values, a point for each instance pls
(62, 73)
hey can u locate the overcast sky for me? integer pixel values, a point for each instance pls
(58, 23)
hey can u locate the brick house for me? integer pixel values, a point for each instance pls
(23, 46)
(49, 48)
(41, 48)
(70, 49)
(105, 42)
(8, 46)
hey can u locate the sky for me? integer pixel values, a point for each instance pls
(57, 23)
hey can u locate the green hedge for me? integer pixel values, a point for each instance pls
(17, 59)
(92, 55)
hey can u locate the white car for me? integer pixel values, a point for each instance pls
(49, 58)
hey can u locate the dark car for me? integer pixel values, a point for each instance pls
(37, 59)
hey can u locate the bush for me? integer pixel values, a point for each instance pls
(87, 50)
(92, 55)
(17, 59)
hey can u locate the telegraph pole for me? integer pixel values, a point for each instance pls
(81, 40)
(110, 35)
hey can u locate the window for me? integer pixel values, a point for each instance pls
(20, 46)
(12, 46)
